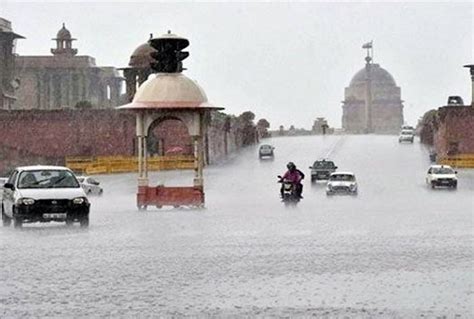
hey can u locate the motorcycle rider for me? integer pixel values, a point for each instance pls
(294, 176)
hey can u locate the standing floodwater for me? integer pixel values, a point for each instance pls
(398, 249)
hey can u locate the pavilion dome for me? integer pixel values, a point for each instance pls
(378, 75)
(64, 34)
(169, 90)
(140, 57)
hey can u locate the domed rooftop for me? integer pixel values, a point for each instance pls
(140, 57)
(64, 34)
(169, 91)
(378, 75)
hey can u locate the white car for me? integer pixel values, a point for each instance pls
(43, 194)
(90, 185)
(406, 135)
(442, 175)
(341, 182)
(266, 150)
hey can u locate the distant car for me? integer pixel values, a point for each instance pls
(43, 194)
(341, 182)
(455, 100)
(321, 170)
(406, 136)
(90, 185)
(266, 150)
(441, 175)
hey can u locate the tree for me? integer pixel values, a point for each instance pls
(262, 128)
(249, 131)
(247, 116)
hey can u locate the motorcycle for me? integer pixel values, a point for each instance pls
(288, 191)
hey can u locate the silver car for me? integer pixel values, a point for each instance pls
(90, 185)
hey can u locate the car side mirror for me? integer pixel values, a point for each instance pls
(455, 172)
(9, 186)
(335, 167)
(279, 176)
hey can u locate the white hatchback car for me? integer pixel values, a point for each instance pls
(341, 182)
(406, 135)
(442, 175)
(43, 194)
(90, 185)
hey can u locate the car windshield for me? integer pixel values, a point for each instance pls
(407, 133)
(47, 179)
(323, 164)
(265, 147)
(442, 170)
(342, 177)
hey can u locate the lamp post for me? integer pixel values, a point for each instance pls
(368, 87)
(471, 68)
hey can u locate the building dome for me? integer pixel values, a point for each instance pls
(169, 91)
(378, 75)
(140, 57)
(63, 34)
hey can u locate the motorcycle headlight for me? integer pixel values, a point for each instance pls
(79, 200)
(25, 201)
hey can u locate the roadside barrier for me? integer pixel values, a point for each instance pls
(458, 161)
(127, 164)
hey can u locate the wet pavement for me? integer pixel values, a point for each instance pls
(397, 250)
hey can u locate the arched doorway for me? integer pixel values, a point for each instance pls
(169, 136)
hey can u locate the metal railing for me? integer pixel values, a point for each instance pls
(126, 164)
(458, 161)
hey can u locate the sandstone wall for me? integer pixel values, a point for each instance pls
(48, 136)
(454, 132)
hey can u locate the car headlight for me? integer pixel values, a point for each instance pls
(329, 186)
(79, 200)
(353, 186)
(25, 201)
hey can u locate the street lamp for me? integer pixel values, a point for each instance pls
(471, 68)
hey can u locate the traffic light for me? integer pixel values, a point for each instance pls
(168, 54)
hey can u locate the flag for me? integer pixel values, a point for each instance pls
(368, 45)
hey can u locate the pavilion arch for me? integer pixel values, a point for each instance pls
(169, 135)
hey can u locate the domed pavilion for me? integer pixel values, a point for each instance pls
(139, 68)
(372, 102)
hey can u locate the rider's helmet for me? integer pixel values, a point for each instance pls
(291, 166)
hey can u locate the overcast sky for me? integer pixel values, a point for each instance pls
(287, 62)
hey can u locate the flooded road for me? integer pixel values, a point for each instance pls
(399, 249)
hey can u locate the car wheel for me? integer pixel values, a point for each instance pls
(142, 207)
(89, 191)
(101, 191)
(17, 222)
(433, 185)
(455, 185)
(69, 221)
(7, 221)
(84, 222)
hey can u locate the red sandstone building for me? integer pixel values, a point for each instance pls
(372, 102)
(65, 79)
(8, 80)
